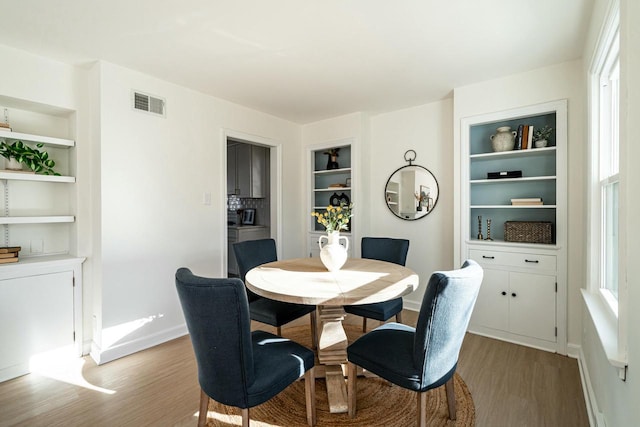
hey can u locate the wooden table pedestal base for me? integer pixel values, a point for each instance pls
(332, 352)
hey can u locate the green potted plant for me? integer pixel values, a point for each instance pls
(541, 136)
(36, 160)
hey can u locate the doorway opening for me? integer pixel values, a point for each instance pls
(250, 194)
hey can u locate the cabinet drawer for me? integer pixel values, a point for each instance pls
(514, 259)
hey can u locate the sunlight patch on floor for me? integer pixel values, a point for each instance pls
(63, 365)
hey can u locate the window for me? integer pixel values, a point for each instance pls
(605, 296)
(608, 171)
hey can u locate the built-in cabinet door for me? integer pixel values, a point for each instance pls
(232, 264)
(258, 171)
(36, 314)
(492, 306)
(247, 170)
(231, 169)
(243, 170)
(532, 308)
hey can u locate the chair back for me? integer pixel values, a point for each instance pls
(252, 253)
(217, 316)
(385, 249)
(444, 316)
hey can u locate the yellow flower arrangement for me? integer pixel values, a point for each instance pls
(335, 218)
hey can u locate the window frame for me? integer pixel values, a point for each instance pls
(608, 314)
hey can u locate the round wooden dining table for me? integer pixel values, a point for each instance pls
(307, 281)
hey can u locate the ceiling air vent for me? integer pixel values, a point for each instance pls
(148, 103)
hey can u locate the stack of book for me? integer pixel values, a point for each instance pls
(526, 201)
(524, 137)
(9, 254)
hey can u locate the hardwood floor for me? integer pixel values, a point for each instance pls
(511, 386)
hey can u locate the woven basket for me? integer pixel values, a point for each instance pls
(528, 231)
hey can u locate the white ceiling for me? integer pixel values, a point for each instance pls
(306, 60)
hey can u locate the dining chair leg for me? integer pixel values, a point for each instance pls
(399, 317)
(422, 409)
(310, 395)
(364, 324)
(314, 329)
(352, 376)
(204, 408)
(451, 398)
(245, 417)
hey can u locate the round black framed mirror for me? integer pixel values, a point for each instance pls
(411, 191)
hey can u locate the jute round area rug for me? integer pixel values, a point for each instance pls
(378, 402)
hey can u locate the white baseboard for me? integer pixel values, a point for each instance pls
(101, 356)
(573, 350)
(11, 372)
(411, 305)
(596, 419)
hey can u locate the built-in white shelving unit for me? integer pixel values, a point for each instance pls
(524, 292)
(41, 294)
(324, 192)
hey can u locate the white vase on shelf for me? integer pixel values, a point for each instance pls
(13, 164)
(333, 255)
(504, 139)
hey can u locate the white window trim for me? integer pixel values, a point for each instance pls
(609, 323)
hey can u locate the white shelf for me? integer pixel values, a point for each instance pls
(37, 265)
(37, 139)
(26, 176)
(502, 180)
(324, 233)
(37, 219)
(331, 189)
(502, 243)
(513, 207)
(332, 171)
(513, 153)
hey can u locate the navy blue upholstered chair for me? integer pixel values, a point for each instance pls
(252, 253)
(424, 357)
(382, 249)
(237, 367)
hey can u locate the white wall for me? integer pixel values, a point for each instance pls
(542, 85)
(354, 126)
(426, 129)
(617, 400)
(153, 173)
(381, 142)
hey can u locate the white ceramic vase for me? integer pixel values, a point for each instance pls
(333, 255)
(13, 164)
(504, 139)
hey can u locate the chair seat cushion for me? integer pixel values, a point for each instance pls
(277, 313)
(381, 311)
(387, 351)
(277, 363)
